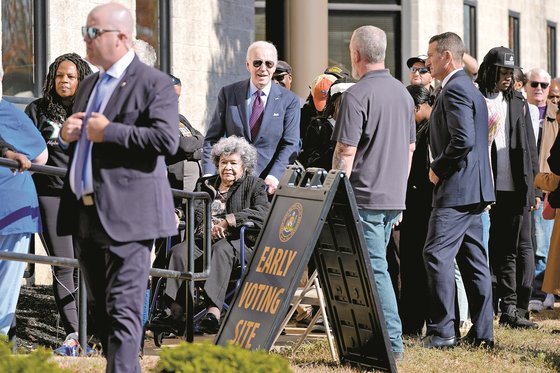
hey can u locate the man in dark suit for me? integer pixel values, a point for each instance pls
(462, 180)
(514, 164)
(265, 114)
(117, 199)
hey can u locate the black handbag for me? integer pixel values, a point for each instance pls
(554, 198)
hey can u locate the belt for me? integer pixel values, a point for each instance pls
(87, 200)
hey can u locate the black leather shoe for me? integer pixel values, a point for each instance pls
(435, 341)
(511, 318)
(210, 324)
(471, 341)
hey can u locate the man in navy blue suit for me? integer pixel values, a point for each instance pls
(116, 197)
(460, 172)
(265, 114)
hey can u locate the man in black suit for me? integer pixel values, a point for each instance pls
(116, 198)
(514, 164)
(462, 180)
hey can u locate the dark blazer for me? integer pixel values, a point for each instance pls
(277, 142)
(523, 155)
(459, 145)
(131, 191)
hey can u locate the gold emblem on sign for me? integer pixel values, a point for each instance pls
(290, 222)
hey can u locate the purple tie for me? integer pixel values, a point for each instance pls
(256, 115)
(84, 143)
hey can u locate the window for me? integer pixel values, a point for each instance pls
(343, 22)
(153, 21)
(260, 20)
(23, 47)
(551, 48)
(469, 27)
(513, 36)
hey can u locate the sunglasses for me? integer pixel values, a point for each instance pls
(268, 64)
(94, 32)
(536, 84)
(280, 77)
(421, 70)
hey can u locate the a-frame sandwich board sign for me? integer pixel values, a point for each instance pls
(312, 213)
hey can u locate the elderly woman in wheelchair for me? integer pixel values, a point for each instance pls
(238, 197)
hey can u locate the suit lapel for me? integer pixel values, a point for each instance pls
(240, 102)
(271, 106)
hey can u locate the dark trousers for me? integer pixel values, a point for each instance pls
(225, 256)
(116, 274)
(511, 251)
(456, 233)
(413, 307)
(65, 280)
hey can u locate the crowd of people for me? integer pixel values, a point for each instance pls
(455, 173)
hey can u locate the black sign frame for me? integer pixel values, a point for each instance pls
(318, 211)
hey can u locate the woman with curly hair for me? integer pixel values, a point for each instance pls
(49, 113)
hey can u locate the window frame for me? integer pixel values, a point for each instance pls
(551, 50)
(470, 27)
(514, 33)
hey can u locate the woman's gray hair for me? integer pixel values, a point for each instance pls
(236, 145)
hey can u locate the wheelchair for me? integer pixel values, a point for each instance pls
(161, 331)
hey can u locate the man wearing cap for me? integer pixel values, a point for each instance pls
(418, 72)
(283, 75)
(514, 164)
(265, 114)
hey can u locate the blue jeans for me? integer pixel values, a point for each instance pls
(10, 277)
(377, 226)
(543, 231)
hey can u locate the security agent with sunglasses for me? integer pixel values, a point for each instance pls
(116, 198)
(265, 114)
(419, 74)
(514, 166)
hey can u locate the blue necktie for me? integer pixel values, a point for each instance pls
(84, 144)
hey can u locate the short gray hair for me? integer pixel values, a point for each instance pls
(236, 145)
(370, 42)
(538, 71)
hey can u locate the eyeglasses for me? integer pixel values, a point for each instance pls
(94, 32)
(536, 84)
(421, 70)
(268, 64)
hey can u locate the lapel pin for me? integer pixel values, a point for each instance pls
(123, 84)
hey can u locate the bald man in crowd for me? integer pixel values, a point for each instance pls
(116, 197)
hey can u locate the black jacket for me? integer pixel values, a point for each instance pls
(246, 200)
(522, 151)
(48, 185)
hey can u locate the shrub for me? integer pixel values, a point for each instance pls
(36, 361)
(207, 357)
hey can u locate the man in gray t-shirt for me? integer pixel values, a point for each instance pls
(375, 134)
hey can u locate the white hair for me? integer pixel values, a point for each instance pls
(371, 42)
(145, 52)
(538, 71)
(264, 45)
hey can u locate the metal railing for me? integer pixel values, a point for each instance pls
(190, 275)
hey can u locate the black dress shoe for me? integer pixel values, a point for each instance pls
(471, 341)
(210, 324)
(435, 341)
